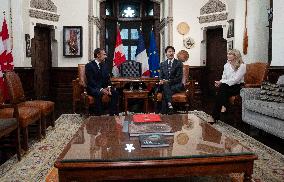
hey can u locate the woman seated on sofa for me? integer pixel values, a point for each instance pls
(231, 82)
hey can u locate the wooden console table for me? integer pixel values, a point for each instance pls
(121, 81)
(135, 94)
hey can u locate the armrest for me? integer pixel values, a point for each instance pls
(190, 88)
(77, 89)
(250, 93)
(252, 85)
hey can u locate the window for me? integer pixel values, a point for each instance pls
(129, 10)
(129, 36)
(109, 8)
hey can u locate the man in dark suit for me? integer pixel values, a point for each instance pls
(170, 79)
(99, 83)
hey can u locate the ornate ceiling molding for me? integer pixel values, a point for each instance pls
(213, 18)
(213, 6)
(46, 5)
(43, 15)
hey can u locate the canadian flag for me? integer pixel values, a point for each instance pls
(119, 56)
(6, 57)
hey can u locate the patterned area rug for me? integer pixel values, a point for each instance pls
(38, 163)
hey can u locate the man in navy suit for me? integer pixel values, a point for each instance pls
(99, 83)
(170, 79)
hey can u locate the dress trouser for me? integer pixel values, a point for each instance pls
(222, 98)
(167, 92)
(112, 107)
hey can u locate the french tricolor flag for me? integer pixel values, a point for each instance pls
(141, 55)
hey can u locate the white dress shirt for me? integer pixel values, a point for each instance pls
(170, 61)
(98, 63)
(231, 76)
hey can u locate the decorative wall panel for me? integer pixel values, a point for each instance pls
(46, 5)
(213, 6)
(213, 18)
(43, 15)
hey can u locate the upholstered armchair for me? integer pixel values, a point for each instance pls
(80, 95)
(130, 69)
(10, 126)
(256, 73)
(185, 97)
(46, 107)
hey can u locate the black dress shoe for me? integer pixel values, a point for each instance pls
(170, 111)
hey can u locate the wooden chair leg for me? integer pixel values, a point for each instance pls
(25, 138)
(39, 129)
(18, 143)
(43, 126)
(53, 119)
(187, 107)
(74, 106)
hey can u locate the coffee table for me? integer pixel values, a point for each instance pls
(98, 151)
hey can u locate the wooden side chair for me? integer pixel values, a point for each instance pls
(10, 126)
(80, 95)
(26, 116)
(185, 97)
(46, 107)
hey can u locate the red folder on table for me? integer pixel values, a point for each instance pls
(146, 118)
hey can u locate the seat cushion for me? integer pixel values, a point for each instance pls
(46, 107)
(27, 115)
(105, 99)
(272, 109)
(177, 97)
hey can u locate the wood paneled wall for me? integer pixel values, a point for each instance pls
(274, 73)
(61, 80)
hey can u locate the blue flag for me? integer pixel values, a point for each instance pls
(154, 61)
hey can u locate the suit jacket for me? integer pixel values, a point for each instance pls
(175, 75)
(96, 78)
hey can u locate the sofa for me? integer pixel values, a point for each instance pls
(262, 114)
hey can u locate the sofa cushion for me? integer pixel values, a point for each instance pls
(272, 92)
(272, 109)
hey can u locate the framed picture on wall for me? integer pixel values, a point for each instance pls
(230, 45)
(72, 41)
(230, 29)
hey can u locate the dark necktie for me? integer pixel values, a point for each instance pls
(169, 66)
(100, 66)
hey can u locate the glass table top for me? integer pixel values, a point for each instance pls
(106, 138)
